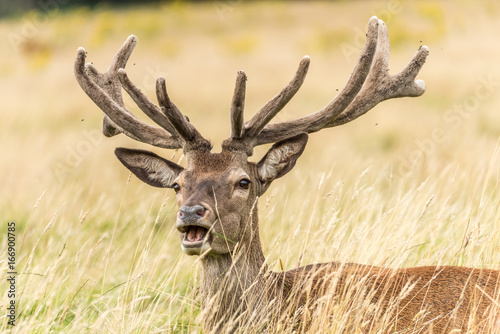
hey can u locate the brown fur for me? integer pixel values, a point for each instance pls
(422, 298)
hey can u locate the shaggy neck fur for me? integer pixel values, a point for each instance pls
(234, 286)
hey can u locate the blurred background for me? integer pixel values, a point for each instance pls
(9, 8)
(48, 123)
(412, 172)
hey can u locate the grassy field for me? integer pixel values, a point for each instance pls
(413, 182)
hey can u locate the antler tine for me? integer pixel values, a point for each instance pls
(316, 121)
(105, 91)
(238, 105)
(193, 139)
(149, 108)
(381, 86)
(273, 106)
(121, 57)
(109, 128)
(356, 99)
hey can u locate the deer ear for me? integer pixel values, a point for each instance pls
(281, 158)
(149, 167)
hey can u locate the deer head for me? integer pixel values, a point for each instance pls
(217, 192)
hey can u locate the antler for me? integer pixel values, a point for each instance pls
(105, 90)
(369, 84)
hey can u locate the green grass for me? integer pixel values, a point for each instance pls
(98, 250)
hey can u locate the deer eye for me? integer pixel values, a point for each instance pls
(245, 183)
(176, 187)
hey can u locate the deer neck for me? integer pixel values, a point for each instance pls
(232, 284)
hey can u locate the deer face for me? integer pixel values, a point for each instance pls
(217, 192)
(214, 194)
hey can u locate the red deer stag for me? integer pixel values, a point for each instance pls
(217, 218)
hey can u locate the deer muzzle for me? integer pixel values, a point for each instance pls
(195, 231)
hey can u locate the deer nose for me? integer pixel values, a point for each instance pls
(191, 213)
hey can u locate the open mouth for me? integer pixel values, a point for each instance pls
(196, 239)
(195, 234)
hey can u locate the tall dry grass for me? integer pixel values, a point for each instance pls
(414, 182)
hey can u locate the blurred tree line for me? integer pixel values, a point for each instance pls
(18, 7)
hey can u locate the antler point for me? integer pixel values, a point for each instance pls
(132, 38)
(304, 64)
(420, 84)
(374, 21)
(81, 54)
